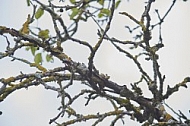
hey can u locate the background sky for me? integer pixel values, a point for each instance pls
(35, 106)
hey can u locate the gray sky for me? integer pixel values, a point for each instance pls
(36, 106)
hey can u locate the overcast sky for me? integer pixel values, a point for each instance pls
(36, 106)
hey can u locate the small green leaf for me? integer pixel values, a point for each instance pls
(75, 11)
(49, 58)
(101, 2)
(43, 34)
(33, 50)
(39, 13)
(117, 3)
(100, 15)
(28, 2)
(72, 1)
(104, 12)
(86, 1)
(38, 58)
(27, 48)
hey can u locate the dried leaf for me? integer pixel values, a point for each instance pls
(25, 26)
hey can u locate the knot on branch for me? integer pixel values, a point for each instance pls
(125, 92)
